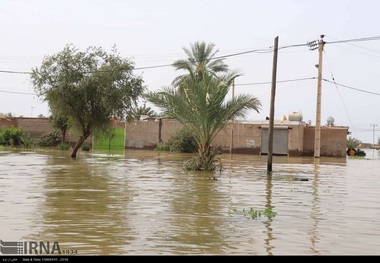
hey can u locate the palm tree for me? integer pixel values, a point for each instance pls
(202, 108)
(353, 143)
(200, 57)
(135, 113)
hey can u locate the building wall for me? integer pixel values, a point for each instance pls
(296, 139)
(36, 127)
(7, 122)
(147, 134)
(333, 141)
(141, 134)
(246, 137)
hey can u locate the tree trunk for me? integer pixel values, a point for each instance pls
(63, 135)
(79, 143)
(206, 158)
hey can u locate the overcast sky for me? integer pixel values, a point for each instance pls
(154, 33)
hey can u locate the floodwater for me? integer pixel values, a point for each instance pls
(141, 202)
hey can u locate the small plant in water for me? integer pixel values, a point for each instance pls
(63, 146)
(258, 213)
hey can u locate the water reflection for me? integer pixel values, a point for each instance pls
(84, 207)
(143, 202)
(199, 215)
(268, 223)
(315, 210)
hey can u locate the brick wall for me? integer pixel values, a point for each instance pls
(7, 122)
(246, 137)
(34, 127)
(333, 141)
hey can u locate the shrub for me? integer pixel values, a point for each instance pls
(50, 139)
(63, 146)
(181, 141)
(85, 147)
(11, 136)
(27, 141)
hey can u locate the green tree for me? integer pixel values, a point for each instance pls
(353, 143)
(136, 112)
(204, 110)
(88, 87)
(7, 115)
(60, 122)
(200, 57)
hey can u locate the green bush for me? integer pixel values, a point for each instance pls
(181, 141)
(27, 141)
(50, 139)
(63, 146)
(85, 147)
(160, 147)
(11, 136)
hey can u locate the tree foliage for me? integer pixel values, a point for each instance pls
(135, 113)
(60, 122)
(87, 87)
(203, 109)
(353, 143)
(201, 56)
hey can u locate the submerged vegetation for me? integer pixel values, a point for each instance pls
(182, 141)
(258, 213)
(353, 150)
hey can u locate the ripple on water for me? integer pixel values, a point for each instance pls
(143, 202)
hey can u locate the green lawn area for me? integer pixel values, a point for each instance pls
(114, 143)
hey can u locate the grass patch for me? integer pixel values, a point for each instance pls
(114, 142)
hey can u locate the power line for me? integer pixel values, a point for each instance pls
(348, 87)
(269, 50)
(355, 40)
(16, 92)
(160, 66)
(344, 105)
(364, 48)
(15, 72)
(269, 82)
(227, 56)
(242, 84)
(248, 84)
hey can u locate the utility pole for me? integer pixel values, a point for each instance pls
(373, 125)
(317, 142)
(232, 122)
(272, 100)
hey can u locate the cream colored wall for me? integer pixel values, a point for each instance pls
(246, 137)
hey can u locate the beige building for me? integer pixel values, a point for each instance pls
(291, 138)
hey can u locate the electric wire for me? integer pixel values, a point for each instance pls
(269, 50)
(340, 96)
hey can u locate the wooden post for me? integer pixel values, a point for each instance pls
(273, 95)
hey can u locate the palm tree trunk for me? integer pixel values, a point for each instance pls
(205, 161)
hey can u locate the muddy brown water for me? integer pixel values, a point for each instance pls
(141, 202)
